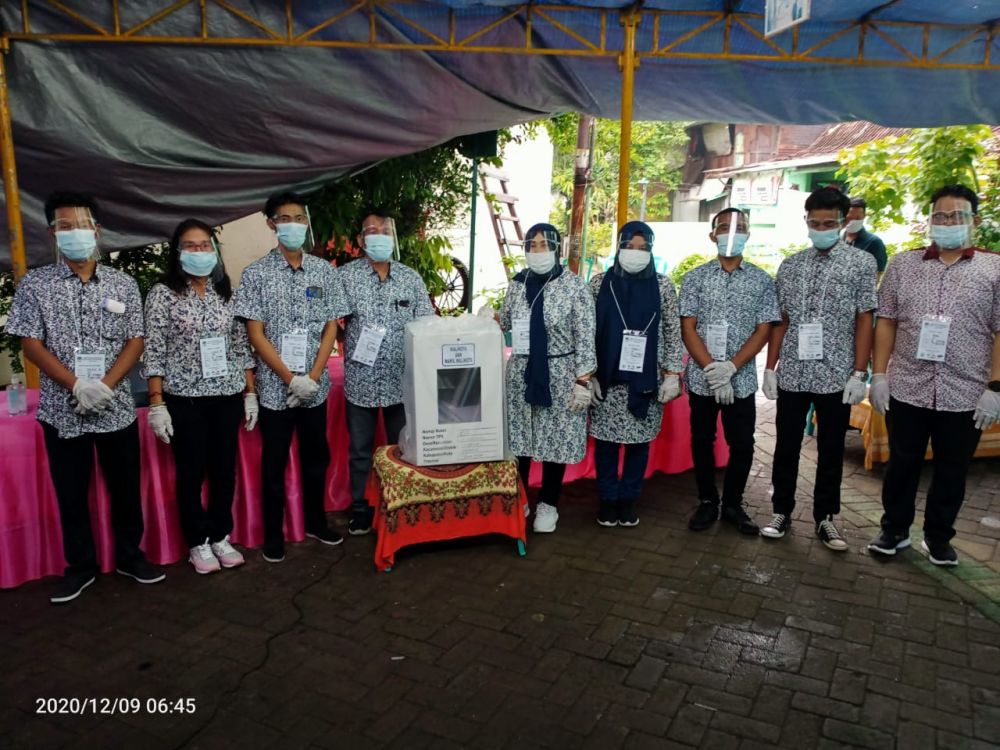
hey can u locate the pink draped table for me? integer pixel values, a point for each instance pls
(30, 533)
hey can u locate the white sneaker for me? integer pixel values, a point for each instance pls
(546, 517)
(202, 559)
(227, 555)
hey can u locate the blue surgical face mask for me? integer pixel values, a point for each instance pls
(950, 236)
(291, 235)
(739, 242)
(824, 239)
(77, 244)
(198, 264)
(378, 247)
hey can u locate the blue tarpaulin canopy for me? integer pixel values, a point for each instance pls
(164, 113)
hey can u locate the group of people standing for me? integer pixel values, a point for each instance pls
(599, 358)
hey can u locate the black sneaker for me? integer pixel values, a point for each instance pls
(326, 535)
(626, 513)
(829, 535)
(141, 570)
(607, 513)
(361, 522)
(706, 514)
(737, 516)
(940, 553)
(71, 586)
(887, 543)
(273, 553)
(780, 523)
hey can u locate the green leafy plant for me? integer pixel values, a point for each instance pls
(686, 264)
(8, 343)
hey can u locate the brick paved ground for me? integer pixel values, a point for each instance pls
(637, 638)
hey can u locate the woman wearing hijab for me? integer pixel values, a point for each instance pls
(201, 383)
(550, 315)
(638, 369)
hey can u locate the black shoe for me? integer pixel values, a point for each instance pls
(706, 514)
(273, 553)
(940, 553)
(141, 570)
(361, 522)
(780, 523)
(626, 513)
(326, 535)
(607, 513)
(829, 535)
(737, 516)
(888, 543)
(71, 586)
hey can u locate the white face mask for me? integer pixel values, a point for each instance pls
(854, 226)
(632, 260)
(542, 262)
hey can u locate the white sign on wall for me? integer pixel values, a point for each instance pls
(780, 15)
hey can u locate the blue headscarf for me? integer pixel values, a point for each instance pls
(638, 295)
(536, 374)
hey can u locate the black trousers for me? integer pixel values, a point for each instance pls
(953, 437)
(738, 421)
(790, 423)
(610, 486)
(552, 479)
(71, 461)
(206, 433)
(361, 424)
(276, 429)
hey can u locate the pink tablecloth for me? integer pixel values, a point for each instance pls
(30, 535)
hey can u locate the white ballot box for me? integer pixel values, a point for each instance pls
(453, 391)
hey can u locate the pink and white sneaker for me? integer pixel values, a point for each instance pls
(202, 559)
(227, 555)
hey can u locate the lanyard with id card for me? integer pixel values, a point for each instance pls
(520, 335)
(213, 357)
(810, 341)
(369, 343)
(293, 350)
(88, 363)
(633, 356)
(933, 340)
(717, 340)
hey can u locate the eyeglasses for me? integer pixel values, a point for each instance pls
(198, 247)
(952, 217)
(289, 219)
(817, 224)
(68, 226)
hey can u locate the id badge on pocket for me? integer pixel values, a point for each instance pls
(933, 340)
(213, 357)
(293, 350)
(89, 364)
(811, 341)
(370, 341)
(633, 355)
(520, 335)
(716, 340)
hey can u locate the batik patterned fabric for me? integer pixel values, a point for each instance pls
(611, 420)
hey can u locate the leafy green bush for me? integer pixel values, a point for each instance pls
(691, 261)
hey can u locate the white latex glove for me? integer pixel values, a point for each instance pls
(724, 395)
(160, 422)
(301, 390)
(719, 374)
(251, 409)
(987, 411)
(770, 386)
(854, 391)
(878, 393)
(91, 396)
(596, 396)
(580, 398)
(670, 388)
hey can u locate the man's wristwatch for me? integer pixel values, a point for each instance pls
(860, 374)
(994, 385)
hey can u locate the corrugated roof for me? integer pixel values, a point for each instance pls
(847, 134)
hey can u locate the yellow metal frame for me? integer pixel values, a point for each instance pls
(714, 32)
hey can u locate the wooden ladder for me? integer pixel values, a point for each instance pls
(497, 200)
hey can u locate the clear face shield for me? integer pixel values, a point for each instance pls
(200, 256)
(731, 233)
(293, 227)
(950, 226)
(379, 240)
(75, 233)
(635, 248)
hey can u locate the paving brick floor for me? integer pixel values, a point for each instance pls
(600, 638)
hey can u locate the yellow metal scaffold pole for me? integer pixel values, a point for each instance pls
(628, 63)
(11, 192)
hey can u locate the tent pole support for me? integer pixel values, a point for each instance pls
(11, 193)
(627, 62)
